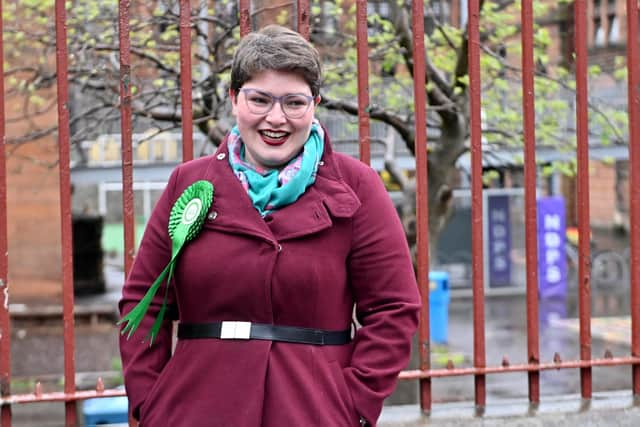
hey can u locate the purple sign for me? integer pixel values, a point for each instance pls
(499, 241)
(552, 259)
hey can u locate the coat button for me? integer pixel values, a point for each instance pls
(321, 163)
(221, 156)
(279, 247)
(212, 215)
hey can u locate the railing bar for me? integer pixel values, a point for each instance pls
(5, 321)
(126, 135)
(245, 17)
(185, 80)
(60, 397)
(572, 364)
(528, 105)
(422, 198)
(126, 140)
(584, 230)
(633, 82)
(362, 50)
(303, 18)
(479, 351)
(404, 375)
(62, 65)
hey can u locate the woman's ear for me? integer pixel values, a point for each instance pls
(317, 99)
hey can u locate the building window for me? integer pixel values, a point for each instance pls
(614, 30)
(151, 148)
(326, 21)
(599, 39)
(380, 8)
(613, 26)
(606, 23)
(436, 12)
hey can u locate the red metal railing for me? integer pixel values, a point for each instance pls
(425, 373)
(128, 207)
(533, 346)
(422, 198)
(633, 66)
(534, 365)
(64, 139)
(5, 339)
(362, 38)
(582, 113)
(126, 134)
(185, 80)
(479, 351)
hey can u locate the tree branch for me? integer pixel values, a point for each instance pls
(401, 126)
(564, 85)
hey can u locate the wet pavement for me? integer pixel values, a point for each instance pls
(506, 337)
(37, 350)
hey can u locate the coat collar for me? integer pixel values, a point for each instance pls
(329, 198)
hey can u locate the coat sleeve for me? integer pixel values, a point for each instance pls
(387, 298)
(142, 363)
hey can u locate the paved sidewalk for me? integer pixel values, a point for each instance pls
(606, 409)
(613, 329)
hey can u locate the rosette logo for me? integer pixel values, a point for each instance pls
(192, 211)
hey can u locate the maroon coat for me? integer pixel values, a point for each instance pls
(304, 265)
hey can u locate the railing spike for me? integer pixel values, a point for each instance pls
(608, 354)
(505, 362)
(99, 385)
(38, 389)
(557, 358)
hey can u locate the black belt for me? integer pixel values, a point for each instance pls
(261, 331)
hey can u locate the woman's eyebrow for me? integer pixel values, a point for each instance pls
(271, 94)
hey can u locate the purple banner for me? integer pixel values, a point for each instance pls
(499, 241)
(551, 253)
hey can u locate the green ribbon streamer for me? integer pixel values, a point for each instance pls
(185, 222)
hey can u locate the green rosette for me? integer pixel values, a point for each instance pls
(185, 222)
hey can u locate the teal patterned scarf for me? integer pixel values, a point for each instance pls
(272, 189)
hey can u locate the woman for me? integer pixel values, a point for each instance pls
(295, 236)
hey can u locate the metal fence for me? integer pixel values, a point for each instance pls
(425, 374)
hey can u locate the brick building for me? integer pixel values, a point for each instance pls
(33, 210)
(606, 40)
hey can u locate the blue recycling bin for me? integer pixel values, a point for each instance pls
(439, 306)
(106, 410)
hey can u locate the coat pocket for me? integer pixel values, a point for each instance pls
(157, 386)
(345, 394)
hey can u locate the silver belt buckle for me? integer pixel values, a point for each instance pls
(232, 330)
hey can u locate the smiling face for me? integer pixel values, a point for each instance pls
(272, 139)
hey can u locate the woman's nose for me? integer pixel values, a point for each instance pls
(276, 115)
